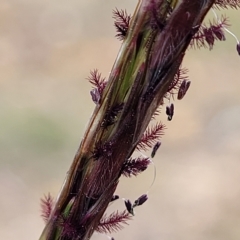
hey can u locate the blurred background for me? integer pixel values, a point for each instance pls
(47, 49)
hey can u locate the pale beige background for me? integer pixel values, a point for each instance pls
(47, 49)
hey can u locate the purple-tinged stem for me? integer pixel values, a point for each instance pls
(159, 33)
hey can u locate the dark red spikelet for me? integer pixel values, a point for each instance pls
(113, 222)
(209, 37)
(46, 206)
(122, 20)
(206, 36)
(218, 32)
(132, 167)
(151, 136)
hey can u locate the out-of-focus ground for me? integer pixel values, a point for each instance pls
(46, 51)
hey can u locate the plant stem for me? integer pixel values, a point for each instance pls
(146, 64)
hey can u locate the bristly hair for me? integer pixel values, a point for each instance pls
(121, 23)
(113, 222)
(46, 206)
(132, 167)
(227, 4)
(206, 36)
(151, 136)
